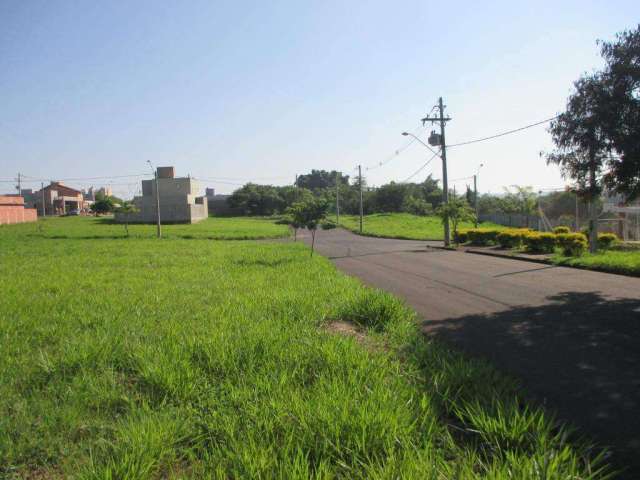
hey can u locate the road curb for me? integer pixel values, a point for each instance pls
(542, 261)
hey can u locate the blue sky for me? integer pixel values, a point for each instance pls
(237, 91)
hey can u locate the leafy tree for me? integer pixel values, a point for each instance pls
(523, 199)
(619, 111)
(416, 206)
(105, 205)
(456, 211)
(126, 209)
(309, 214)
(581, 145)
(253, 199)
(391, 197)
(321, 179)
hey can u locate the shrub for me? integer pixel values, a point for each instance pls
(572, 244)
(328, 225)
(606, 240)
(511, 238)
(561, 229)
(284, 220)
(461, 236)
(482, 236)
(537, 242)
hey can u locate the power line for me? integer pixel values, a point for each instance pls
(420, 169)
(78, 179)
(397, 152)
(503, 133)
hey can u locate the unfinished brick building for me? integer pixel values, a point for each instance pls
(12, 210)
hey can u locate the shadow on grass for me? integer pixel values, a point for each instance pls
(579, 356)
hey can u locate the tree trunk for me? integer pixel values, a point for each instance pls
(126, 228)
(313, 241)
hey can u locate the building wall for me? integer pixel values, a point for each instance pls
(12, 211)
(178, 202)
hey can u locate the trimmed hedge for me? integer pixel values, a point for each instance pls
(461, 236)
(606, 240)
(561, 229)
(482, 236)
(537, 242)
(572, 244)
(512, 238)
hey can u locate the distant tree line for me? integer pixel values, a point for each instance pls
(417, 198)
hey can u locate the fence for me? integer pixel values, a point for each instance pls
(516, 220)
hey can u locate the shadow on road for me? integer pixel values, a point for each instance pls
(579, 356)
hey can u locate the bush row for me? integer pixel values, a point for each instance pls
(572, 244)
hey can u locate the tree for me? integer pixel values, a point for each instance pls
(391, 197)
(126, 209)
(456, 211)
(581, 144)
(523, 199)
(105, 205)
(321, 179)
(619, 112)
(308, 214)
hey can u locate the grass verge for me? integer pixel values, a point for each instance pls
(137, 358)
(623, 262)
(403, 226)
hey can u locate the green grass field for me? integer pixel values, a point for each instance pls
(401, 225)
(136, 358)
(212, 228)
(626, 262)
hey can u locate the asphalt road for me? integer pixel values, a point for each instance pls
(572, 337)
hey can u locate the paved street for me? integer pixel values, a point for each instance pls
(571, 336)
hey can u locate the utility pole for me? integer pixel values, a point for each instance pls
(44, 210)
(19, 185)
(360, 182)
(475, 196)
(155, 176)
(442, 120)
(337, 198)
(577, 220)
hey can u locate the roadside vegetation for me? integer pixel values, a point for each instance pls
(137, 358)
(612, 261)
(562, 247)
(402, 226)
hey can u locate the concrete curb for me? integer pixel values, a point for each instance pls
(543, 261)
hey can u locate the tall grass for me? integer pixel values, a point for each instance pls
(402, 225)
(88, 228)
(134, 358)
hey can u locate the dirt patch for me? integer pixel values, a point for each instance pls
(350, 329)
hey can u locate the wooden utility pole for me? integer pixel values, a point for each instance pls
(475, 196)
(337, 198)
(159, 228)
(155, 176)
(44, 210)
(360, 182)
(19, 185)
(442, 120)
